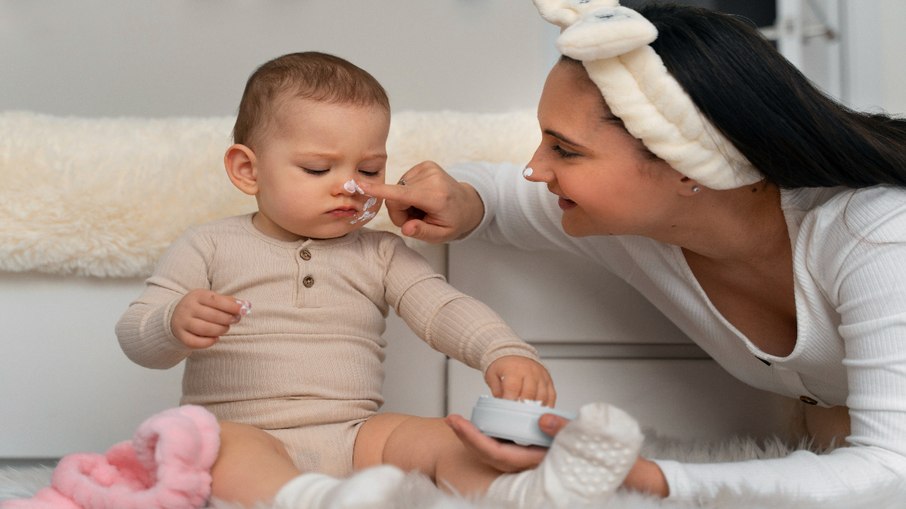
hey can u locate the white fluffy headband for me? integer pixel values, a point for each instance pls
(612, 42)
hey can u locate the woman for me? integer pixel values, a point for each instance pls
(681, 151)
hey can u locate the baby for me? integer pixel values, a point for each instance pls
(279, 313)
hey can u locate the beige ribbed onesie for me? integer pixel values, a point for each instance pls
(306, 364)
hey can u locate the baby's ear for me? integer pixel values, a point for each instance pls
(239, 162)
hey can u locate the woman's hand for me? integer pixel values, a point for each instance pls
(428, 204)
(644, 476)
(500, 455)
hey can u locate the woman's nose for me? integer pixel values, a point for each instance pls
(535, 171)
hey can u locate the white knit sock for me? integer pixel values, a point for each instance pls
(585, 465)
(367, 489)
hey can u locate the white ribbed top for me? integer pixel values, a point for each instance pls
(849, 263)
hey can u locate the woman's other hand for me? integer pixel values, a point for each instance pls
(644, 476)
(500, 455)
(430, 205)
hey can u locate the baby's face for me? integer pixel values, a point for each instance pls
(305, 166)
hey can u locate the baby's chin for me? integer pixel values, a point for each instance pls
(335, 232)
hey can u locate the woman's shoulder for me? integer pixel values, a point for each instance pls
(875, 213)
(849, 235)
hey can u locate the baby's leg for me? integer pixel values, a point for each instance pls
(251, 466)
(409, 443)
(586, 463)
(426, 445)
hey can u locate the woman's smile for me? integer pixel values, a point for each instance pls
(565, 203)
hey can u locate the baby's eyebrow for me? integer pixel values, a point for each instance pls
(322, 155)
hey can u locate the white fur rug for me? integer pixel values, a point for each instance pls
(105, 196)
(417, 492)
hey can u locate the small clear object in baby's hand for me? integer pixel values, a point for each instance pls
(245, 307)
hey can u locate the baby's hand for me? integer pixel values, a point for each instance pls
(202, 316)
(515, 377)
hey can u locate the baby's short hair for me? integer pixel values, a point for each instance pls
(308, 75)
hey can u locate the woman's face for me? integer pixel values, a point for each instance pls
(607, 182)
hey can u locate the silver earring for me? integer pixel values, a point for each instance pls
(696, 189)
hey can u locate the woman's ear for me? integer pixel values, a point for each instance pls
(689, 187)
(239, 162)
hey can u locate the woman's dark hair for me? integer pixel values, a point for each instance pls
(794, 134)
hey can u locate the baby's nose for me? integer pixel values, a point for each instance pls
(352, 187)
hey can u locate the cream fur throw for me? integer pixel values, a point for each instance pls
(105, 197)
(417, 492)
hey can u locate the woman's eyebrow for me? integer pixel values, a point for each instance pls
(559, 136)
(610, 118)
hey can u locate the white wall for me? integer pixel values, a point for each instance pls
(180, 57)
(874, 75)
(893, 48)
(183, 57)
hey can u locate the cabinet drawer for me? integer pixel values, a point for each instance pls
(557, 297)
(676, 398)
(65, 384)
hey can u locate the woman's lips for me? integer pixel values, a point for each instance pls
(565, 204)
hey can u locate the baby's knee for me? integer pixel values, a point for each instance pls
(237, 437)
(372, 437)
(252, 465)
(405, 441)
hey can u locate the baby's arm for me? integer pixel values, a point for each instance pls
(469, 331)
(157, 329)
(464, 328)
(515, 377)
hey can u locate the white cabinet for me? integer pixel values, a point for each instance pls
(65, 385)
(555, 298)
(603, 342)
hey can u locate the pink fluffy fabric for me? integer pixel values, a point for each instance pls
(167, 464)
